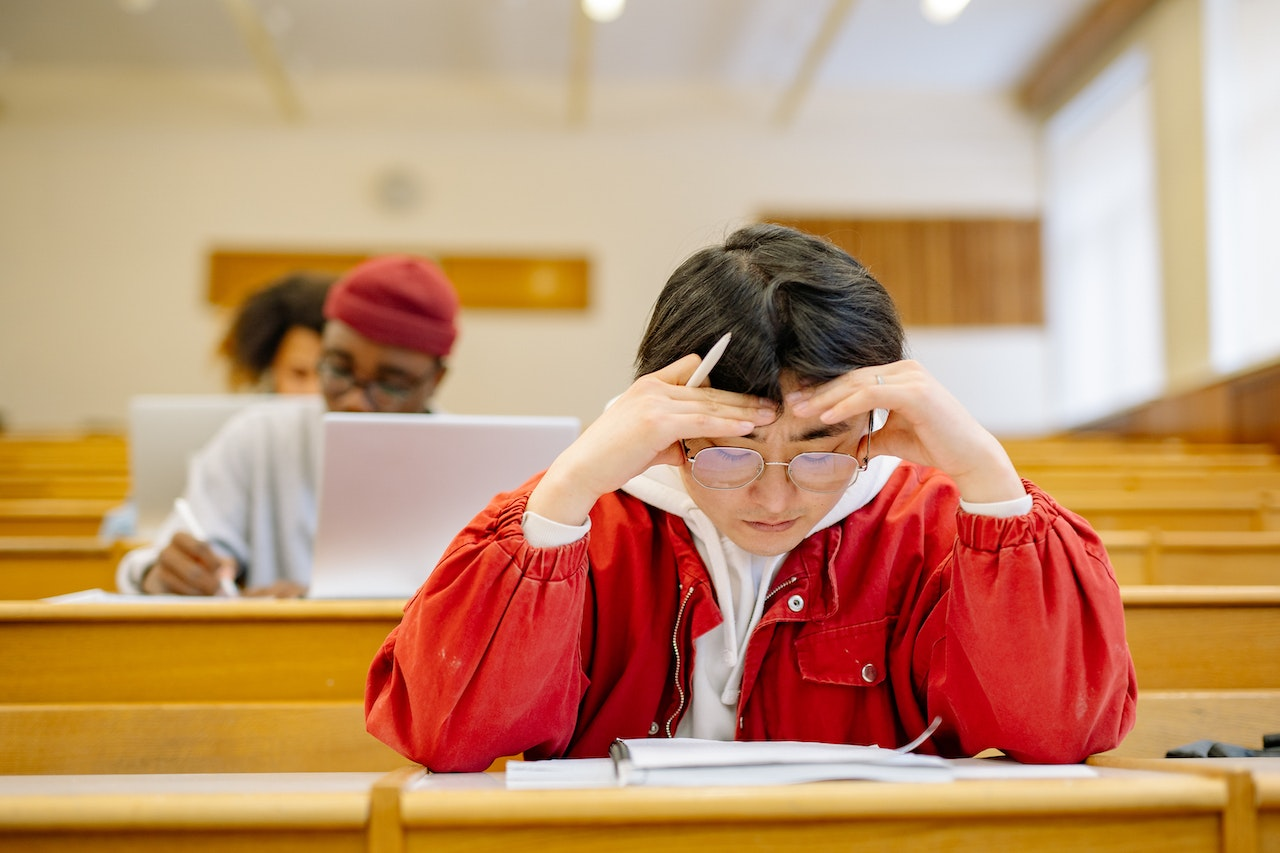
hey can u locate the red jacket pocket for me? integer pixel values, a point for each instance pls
(851, 655)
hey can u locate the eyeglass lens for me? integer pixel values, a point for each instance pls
(735, 467)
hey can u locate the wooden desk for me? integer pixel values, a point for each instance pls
(52, 516)
(1120, 811)
(1216, 558)
(1143, 478)
(1253, 782)
(1256, 509)
(245, 650)
(277, 812)
(113, 487)
(208, 737)
(64, 453)
(1204, 637)
(38, 567)
(1171, 718)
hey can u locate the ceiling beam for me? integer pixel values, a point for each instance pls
(1060, 67)
(580, 70)
(249, 22)
(813, 59)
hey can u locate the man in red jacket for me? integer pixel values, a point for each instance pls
(766, 557)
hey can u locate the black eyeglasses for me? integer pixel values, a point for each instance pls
(383, 394)
(726, 468)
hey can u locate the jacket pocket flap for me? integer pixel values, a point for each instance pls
(852, 655)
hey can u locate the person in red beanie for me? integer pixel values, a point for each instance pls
(390, 324)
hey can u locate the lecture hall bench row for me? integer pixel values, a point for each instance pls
(257, 684)
(1187, 807)
(41, 567)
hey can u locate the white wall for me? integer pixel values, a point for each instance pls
(113, 192)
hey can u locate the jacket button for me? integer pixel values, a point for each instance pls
(653, 729)
(796, 603)
(869, 673)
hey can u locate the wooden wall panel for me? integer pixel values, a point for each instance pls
(483, 281)
(946, 272)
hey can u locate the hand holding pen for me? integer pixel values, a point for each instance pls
(641, 428)
(188, 566)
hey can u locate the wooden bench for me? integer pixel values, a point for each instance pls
(52, 516)
(1176, 510)
(193, 686)
(191, 737)
(1172, 718)
(1188, 638)
(1077, 478)
(245, 650)
(1253, 786)
(39, 567)
(59, 453)
(113, 487)
(1189, 557)
(197, 812)
(403, 810)
(1116, 811)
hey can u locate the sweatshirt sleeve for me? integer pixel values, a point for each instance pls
(1025, 649)
(217, 488)
(452, 687)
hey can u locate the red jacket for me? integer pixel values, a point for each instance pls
(1011, 629)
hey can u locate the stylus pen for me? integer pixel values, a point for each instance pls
(189, 521)
(709, 361)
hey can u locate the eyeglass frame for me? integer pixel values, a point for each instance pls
(764, 464)
(370, 387)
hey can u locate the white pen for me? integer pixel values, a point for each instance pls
(189, 521)
(709, 361)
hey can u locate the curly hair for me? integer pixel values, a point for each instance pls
(266, 316)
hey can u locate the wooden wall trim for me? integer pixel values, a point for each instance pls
(1082, 45)
(523, 282)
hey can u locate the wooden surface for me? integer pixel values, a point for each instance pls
(1253, 785)
(945, 272)
(1204, 637)
(1117, 812)
(209, 737)
(52, 516)
(274, 812)
(1257, 509)
(1172, 718)
(1194, 557)
(39, 567)
(191, 651)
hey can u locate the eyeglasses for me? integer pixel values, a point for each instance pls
(383, 395)
(724, 468)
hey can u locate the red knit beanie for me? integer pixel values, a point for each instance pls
(399, 301)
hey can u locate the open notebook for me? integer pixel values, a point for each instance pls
(396, 489)
(165, 431)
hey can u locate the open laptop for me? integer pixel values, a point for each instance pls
(396, 489)
(165, 431)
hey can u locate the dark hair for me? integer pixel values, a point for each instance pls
(266, 315)
(794, 302)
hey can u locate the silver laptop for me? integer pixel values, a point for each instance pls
(165, 431)
(396, 489)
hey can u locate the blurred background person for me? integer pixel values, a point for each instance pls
(273, 344)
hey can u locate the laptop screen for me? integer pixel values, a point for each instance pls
(165, 431)
(396, 489)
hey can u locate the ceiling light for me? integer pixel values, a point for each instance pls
(942, 11)
(603, 11)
